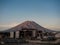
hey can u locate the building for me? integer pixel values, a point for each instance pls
(27, 30)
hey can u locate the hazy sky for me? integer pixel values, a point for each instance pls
(45, 12)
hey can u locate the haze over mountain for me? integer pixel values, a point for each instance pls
(28, 25)
(44, 12)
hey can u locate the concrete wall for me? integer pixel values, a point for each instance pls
(17, 34)
(11, 34)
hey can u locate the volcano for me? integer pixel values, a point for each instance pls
(29, 25)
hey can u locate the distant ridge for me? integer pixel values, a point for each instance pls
(29, 25)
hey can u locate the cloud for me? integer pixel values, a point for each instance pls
(55, 27)
(6, 26)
